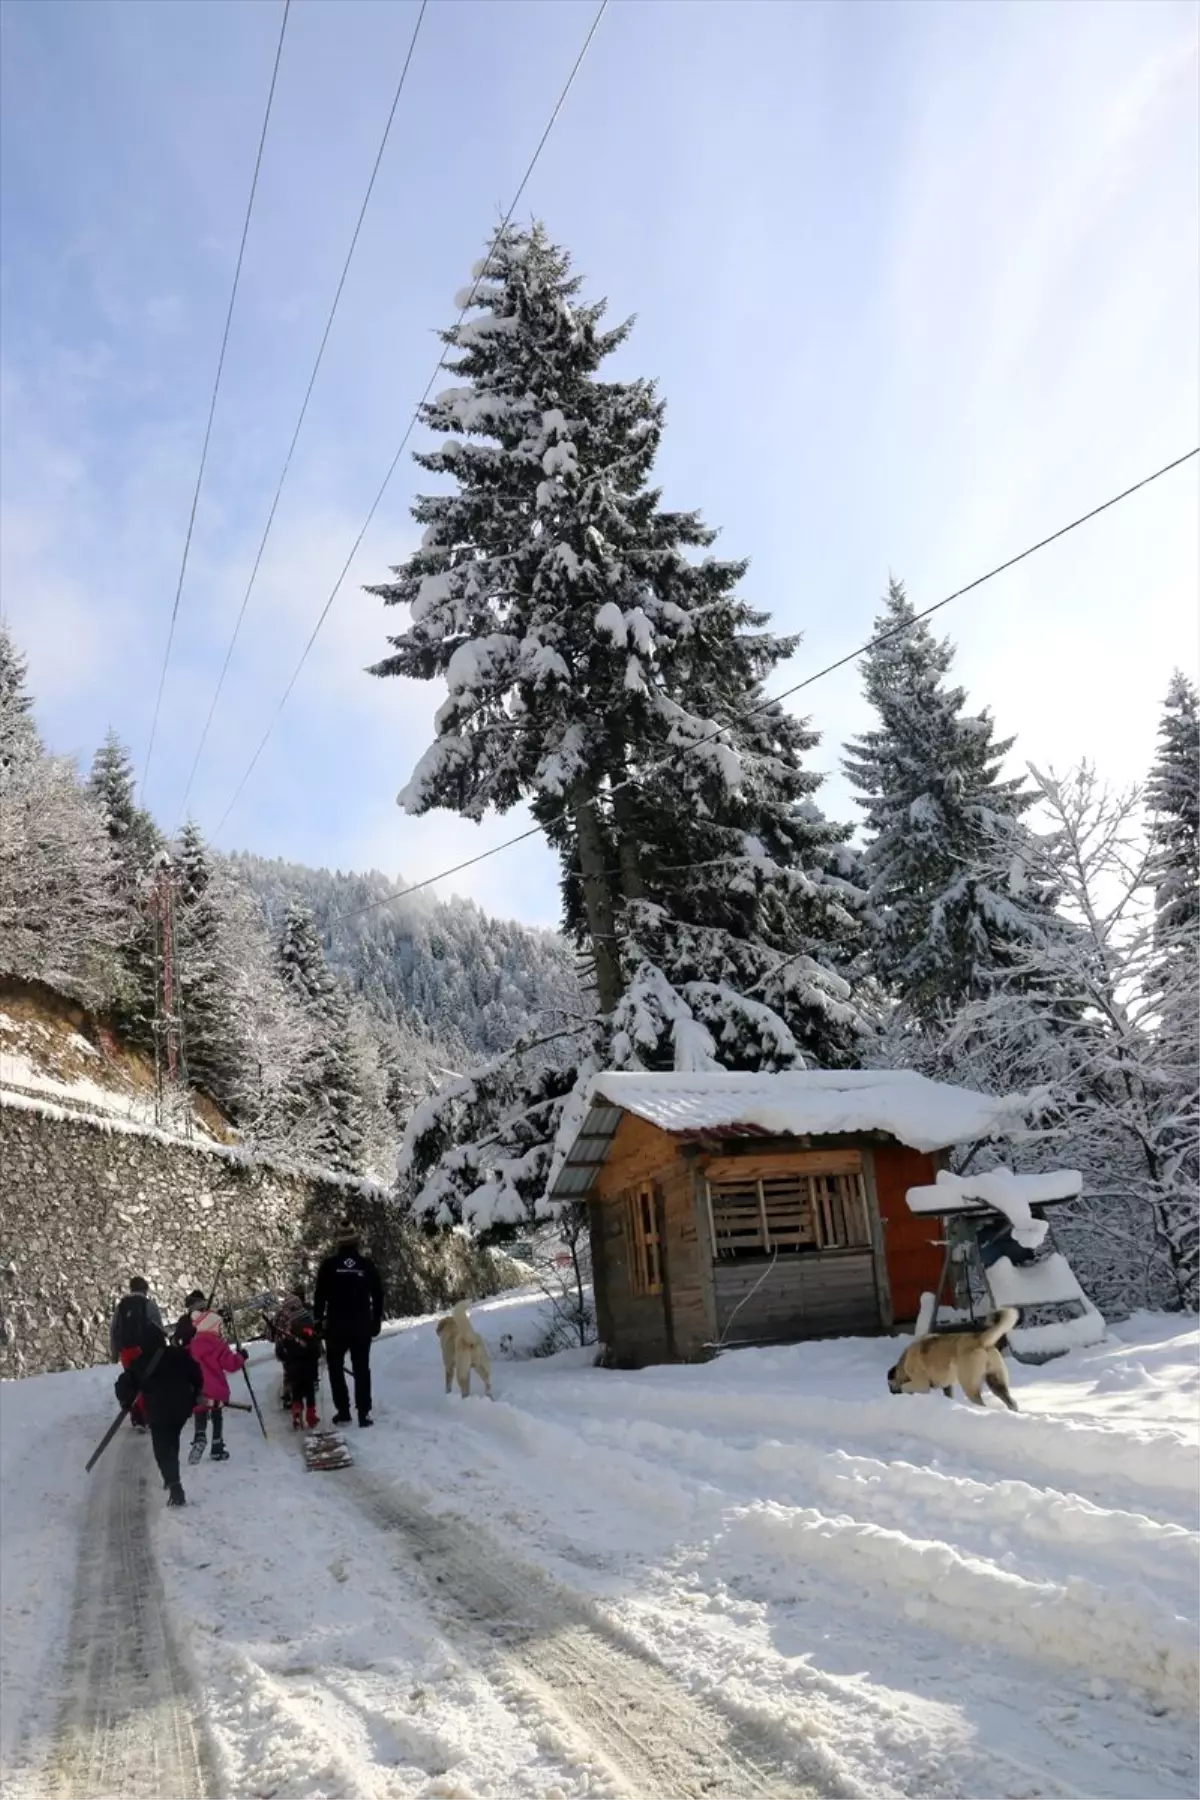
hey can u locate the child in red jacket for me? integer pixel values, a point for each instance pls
(216, 1360)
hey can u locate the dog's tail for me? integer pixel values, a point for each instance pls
(1001, 1322)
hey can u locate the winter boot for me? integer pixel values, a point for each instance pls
(177, 1497)
(310, 1418)
(364, 1419)
(218, 1453)
(341, 1418)
(297, 1415)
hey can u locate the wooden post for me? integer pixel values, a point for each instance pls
(664, 1270)
(883, 1285)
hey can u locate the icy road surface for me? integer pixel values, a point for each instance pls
(765, 1576)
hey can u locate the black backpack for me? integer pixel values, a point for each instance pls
(132, 1319)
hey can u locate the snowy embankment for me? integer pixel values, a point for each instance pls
(851, 1594)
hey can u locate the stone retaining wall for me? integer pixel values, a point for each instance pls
(86, 1203)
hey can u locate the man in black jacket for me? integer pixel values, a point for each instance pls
(348, 1308)
(169, 1381)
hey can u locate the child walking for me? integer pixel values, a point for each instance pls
(215, 1360)
(169, 1382)
(298, 1348)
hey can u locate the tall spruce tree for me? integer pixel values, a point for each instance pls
(938, 812)
(59, 922)
(207, 950)
(602, 674)
(18, 733)
(328, 1102)
(137, 843)
(1173, 802)
(1173, 805)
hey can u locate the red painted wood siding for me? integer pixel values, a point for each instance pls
(914, 1258)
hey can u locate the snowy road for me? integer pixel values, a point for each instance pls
(128, 1722)
(765, 1576)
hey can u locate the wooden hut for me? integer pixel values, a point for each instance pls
(749, 1209)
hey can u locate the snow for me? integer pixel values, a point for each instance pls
(1002, 1191)
(611, 620)
(1034, 1284)
(1060, 1335)
(878, 1596)
(116, 1126)
(925, 1115)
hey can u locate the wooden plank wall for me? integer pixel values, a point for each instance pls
(634, 1327)
(805, 1296)
(914, 1257)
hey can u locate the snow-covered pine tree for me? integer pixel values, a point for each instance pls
(601, 674)
(208, 944)
(937, 810)
(58, 921)
(114, 790)
(137, 842)
(1173, 982)
(18, 733)
(329, 1104)
(1173, 802)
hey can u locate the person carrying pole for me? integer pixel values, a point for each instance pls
(135, 1313)
(169, 1383)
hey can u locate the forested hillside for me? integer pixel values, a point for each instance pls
(442, 967)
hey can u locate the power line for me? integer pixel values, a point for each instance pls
(773, 700)
(287, 461)
(383, 486)
(212, 405)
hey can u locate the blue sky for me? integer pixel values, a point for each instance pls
(918, 281)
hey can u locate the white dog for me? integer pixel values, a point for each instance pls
(463, 1350)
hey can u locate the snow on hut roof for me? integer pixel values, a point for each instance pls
(925, 1115)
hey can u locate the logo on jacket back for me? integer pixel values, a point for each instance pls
(348, 1262)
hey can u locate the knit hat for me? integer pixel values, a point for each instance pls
(346, 1233)
(195, 1299)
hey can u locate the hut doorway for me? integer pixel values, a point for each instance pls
(794, 1245)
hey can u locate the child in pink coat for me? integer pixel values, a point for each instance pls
(216, 1360)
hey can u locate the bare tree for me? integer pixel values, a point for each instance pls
(1091, 1019)
(562, 1261)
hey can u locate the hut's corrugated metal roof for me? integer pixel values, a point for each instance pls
(926, 1115)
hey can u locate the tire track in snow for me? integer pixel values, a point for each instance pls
(127, 1726)
(643, 1732)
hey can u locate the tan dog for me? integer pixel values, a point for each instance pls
(463, 1350)
(968, 1357)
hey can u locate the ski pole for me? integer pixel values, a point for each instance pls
(151, 1365)
(237, 1344)
(212, 1293)
(117, 1423)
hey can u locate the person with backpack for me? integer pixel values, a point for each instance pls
(348, 1309)
(167, 1381)
(203, 1333)
(298, 1348)
(136, 1313)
